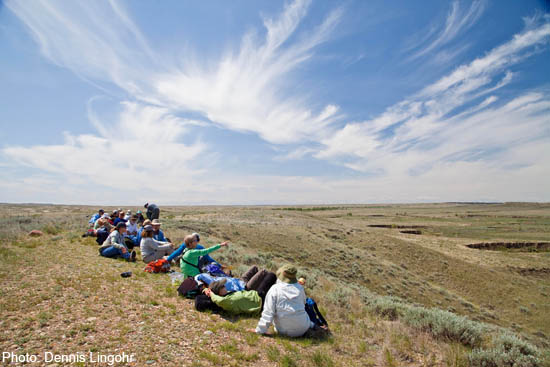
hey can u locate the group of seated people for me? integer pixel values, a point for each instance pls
(279, 297)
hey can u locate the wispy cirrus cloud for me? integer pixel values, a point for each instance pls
(246, 90)
(458, 20)
(249, 89)
(455, 131)
(447, 122)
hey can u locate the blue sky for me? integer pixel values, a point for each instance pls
(267, 102)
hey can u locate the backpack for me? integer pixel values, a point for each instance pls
(314, 314)
(158, 266)
(203, 303)
(189, 288)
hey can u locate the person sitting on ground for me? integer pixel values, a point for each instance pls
(141, 219)
(102, 229)
(152, 249)
(153, 211)
(175, 256)
(190, 259)
(128, 215)
(113, 216)
(120, 218)
(101, 221)
(248, 302)
(114, 245)
(132, 227)
(137, 239)
(157, 232)
(285, 306)
(95, 217)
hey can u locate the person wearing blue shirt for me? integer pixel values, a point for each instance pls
(95, 217)
(157, 233)
(137, 238)
(231, 284)
(119, 219)
(182, 247)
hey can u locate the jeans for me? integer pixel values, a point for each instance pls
(102, 235)
(112, 251)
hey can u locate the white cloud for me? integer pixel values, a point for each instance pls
(450, 141)
(456, 22)
(436, 124)
(248, 90)
(142, 147)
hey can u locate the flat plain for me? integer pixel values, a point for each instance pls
(482, 265)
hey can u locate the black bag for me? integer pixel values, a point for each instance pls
(203, 303)
(189, 288)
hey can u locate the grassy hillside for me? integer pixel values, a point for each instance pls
(384, 292)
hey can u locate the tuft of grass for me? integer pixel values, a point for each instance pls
(321, 359)
(288, 361)
(52, 229)
(273, 353)
(251, 339)
(389, 360)
(212, 357)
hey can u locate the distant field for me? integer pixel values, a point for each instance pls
(58, 294)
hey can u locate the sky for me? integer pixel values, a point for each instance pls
(274, 102)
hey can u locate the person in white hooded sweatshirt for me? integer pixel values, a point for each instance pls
(284, 306)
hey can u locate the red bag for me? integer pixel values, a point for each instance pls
(158, 266)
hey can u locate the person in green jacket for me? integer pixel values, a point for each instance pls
(190, 259)
(248, 302)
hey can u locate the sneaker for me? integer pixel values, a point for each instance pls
(133, 257)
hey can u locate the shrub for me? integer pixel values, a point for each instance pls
(445, 324)
(388, 307)
(435, 321)
(251, 259)
(508, 351)
(340, 297)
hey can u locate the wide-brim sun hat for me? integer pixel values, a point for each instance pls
(156, 222)
(148, 228)
(287, 274)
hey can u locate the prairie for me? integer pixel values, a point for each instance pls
(415, 285)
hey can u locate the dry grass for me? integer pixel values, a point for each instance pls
(59, 295)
